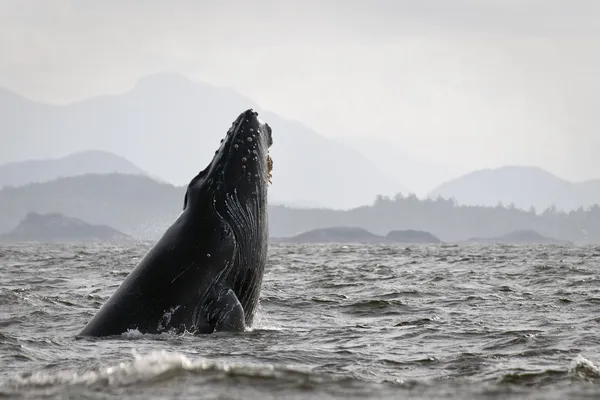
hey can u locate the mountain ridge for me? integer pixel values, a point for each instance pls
(170, 126)
(418, 173)
(57, 227)
(143, 208)
(19, 173)
(521, 185)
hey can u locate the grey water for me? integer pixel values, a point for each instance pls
(335, 321)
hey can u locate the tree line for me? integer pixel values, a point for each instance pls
(446, 219)
(143, 207)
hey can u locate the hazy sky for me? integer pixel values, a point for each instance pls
(474, 82)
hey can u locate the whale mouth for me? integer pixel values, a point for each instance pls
(269, 133)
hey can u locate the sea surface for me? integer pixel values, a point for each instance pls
(335, 321)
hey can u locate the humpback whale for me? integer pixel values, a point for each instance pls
(205, 273)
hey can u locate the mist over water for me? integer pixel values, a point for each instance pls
(335, 321)
(471, 121)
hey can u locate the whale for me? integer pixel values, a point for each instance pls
(205, 273)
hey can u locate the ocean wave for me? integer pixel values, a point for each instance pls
(159, 365)
(585, 369)
(329, 326)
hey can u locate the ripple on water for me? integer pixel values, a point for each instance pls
(334, 322)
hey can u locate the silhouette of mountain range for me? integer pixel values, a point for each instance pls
(56, 227)
(170, 127)
(419, 174)
(519, 237)
(143, 208)
(85, 162)
(134, 204)
(522, 186)
(350, 234)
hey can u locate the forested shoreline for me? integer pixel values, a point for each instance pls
(142, 207)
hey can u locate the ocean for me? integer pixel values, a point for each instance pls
(335, 322)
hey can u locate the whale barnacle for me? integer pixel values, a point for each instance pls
(269, 168)
(197, 263)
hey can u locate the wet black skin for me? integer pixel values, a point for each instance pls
(205, 273)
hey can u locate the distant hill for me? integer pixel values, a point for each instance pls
(352, 234)
(170, 127)
(337, 234)
(143, 208)
(85, 162)
(58, 228)
(136, 205)
(411, 236)
(519, 237)
(522, 186)
(419, 174)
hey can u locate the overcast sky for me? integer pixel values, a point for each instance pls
(473, 82)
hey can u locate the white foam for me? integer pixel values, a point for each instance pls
(260, 322)
(584, 368)
(147, 368)
(133, 334)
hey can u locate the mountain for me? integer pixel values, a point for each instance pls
(418, 173)
(522, 237)
(133, 204)
(522, 186)
(336, 234)
(170, 127)
(58, 228)
(143, 208)
(85, 162)
(351, 234)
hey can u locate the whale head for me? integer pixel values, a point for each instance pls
(241, 167)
